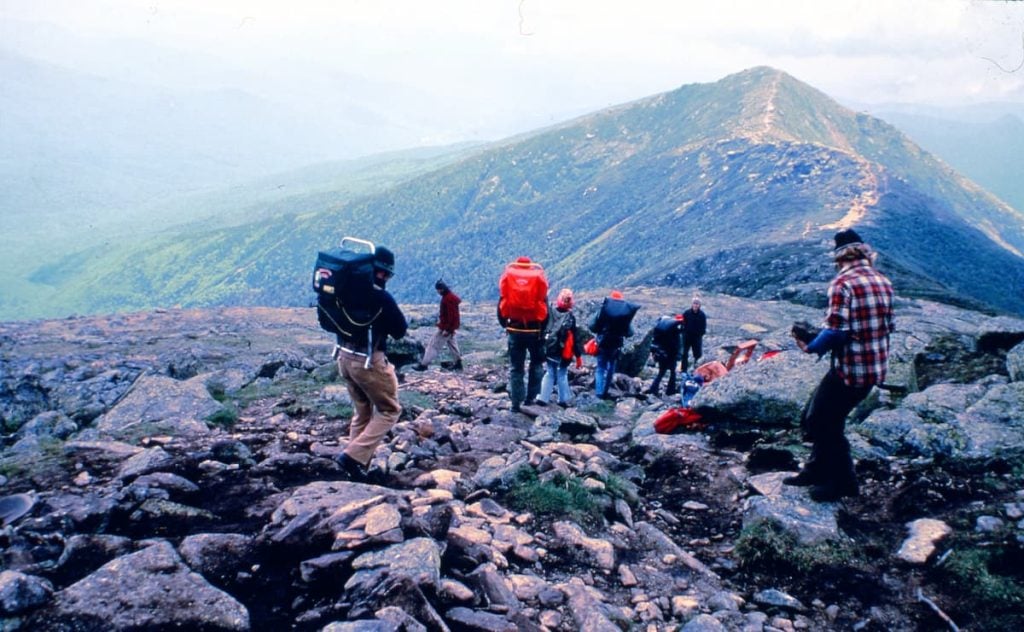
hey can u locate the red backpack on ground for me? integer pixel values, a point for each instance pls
(524, 290)
(675, 418)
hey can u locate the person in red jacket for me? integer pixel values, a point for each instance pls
(447, 322)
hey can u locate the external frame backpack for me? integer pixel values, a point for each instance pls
(343, 282)
(523, 288)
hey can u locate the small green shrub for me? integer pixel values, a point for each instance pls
(981, 579)
(618, 487)
(226, 417)
(217, 391)
(762, 546)
(561, 496)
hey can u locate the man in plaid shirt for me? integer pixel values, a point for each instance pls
(858, 324)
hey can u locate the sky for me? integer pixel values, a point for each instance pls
(480, 69)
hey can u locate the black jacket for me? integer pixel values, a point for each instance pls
(380, 309)
(695, 324)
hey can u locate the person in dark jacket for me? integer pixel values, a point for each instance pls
(562, 343)
(447, 322)
(695, 325)
(858, 322)
(612, 325)
(665, 351)
(368, 375)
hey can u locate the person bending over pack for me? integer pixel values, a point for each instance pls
(858, 322)
(364, 367)
(447, 322)
(523, 313)
(695, 325)
(612, 325)
(665, 351)
(561, 343)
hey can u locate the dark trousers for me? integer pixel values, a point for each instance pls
(521, 346)
(694, 345)
(666, 364)
(824, 423)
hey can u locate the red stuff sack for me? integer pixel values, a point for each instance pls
(676, 418)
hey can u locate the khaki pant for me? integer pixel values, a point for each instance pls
(374, 394)
(438, 342)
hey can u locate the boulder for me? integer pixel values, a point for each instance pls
(1015, 363)
(766, 392)
(217, 556)
(160, 405)
(150, 589)
(20, 593)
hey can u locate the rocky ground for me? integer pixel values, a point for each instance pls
(178, 471)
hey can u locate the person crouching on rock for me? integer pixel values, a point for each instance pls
(368, 375)
(857, 327)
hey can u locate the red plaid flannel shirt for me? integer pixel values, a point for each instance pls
(860, 303)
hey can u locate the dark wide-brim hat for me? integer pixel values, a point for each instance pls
(847, 238)
(384, 259)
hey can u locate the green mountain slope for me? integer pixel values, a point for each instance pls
(735, 186)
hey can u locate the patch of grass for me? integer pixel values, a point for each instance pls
(618, 487)
(409, 399)
(600, 408)
(561, 496)
(217, 392)
(263, 390)
(988, 583)
(225, 418)
(764, 547)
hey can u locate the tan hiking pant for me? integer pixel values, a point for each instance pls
(375, 404)
(438, 342)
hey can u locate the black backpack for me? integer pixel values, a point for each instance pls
(559, 324)
(346, 303)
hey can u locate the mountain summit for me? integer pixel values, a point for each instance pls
(735, 186)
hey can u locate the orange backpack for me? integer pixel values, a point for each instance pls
(524, 290)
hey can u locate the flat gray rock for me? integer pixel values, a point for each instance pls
(790, 509)
(158, 404)
(150, 589)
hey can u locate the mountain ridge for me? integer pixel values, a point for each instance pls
(706, 176)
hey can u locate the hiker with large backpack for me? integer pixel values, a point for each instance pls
(523, 313)
(612, 325)
(353, 304)
(447, 322)
(561, 344)
(665, 351)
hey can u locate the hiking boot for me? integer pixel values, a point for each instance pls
(353, 470)
(832, 492)
(671, 391)
(419, 366)
(457, 366)
(804, 479)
